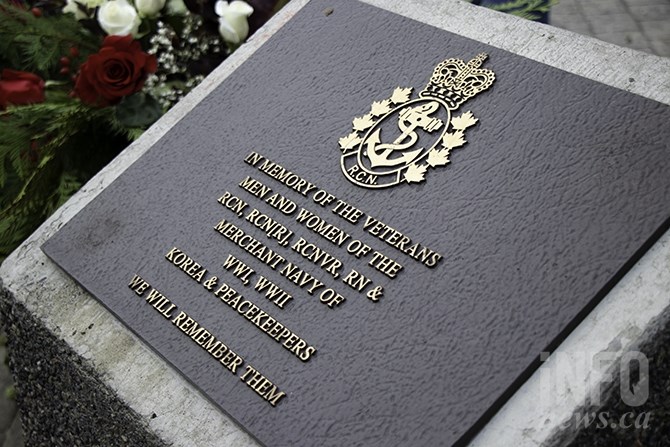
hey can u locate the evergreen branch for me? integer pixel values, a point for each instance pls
(24, 190)
(61, 131)
(527, 9)
(67, 39)
(50, 125)
(69, 184)
(27, 210)
(32, 43)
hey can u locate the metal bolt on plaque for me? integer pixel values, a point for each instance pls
(426, 131)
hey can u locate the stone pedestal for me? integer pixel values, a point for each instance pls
(84, 379)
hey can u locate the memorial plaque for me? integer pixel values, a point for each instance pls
(367, 234)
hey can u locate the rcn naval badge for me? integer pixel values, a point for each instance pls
(400, 138)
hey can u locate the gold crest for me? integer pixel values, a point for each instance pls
(424, 129)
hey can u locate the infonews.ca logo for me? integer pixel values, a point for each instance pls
(603, 419)
(568, 377)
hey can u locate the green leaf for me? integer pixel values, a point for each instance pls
(139, 110)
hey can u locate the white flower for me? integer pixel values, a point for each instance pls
(71, 6)
(91, 3)
(118, 18)
(149, 8)
(177, 7)
(233, 24)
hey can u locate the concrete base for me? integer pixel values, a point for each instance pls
(84, 379)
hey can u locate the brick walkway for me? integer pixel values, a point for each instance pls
(639, 24)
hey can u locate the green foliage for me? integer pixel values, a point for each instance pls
(28, 205)
(36, 44)
(138, 110)
(48, 151)
(280, 4)
(527, 9)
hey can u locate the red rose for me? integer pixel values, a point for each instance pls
(19, 88)
(119, 69)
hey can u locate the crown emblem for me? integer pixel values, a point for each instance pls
(426, 132)
(454, 81)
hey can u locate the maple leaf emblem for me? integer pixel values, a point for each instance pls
(363, 122)
(464, 121)
(438, 157)
(415, 173)
(350, 141)
(452, 140)
(401, 95)
(380, 107)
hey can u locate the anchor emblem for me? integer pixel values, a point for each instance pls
(408, 120)
(370, 163)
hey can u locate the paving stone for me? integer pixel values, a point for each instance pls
(602, 7)
(575, 25)
(634, 3)
(656, 29)
(651, 12)
(567, 7)
(604, 19)
(661, 48)
(633, 39)
(614, 23)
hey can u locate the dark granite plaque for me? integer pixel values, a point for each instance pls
(562, 185)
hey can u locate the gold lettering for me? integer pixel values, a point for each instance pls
(286, 177)
(384, 264)
(255, 187)
(348, 212)
(356, 281)
(233, 203)
(318, 225)
(249, 244)
(262, 385)
(303, 279)
(318, 256)
(253, 158)
(206, 340)
(138, 285)
(185, 263)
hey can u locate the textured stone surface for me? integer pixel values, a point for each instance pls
(640, 24)
(61, 396)
(26, 275)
